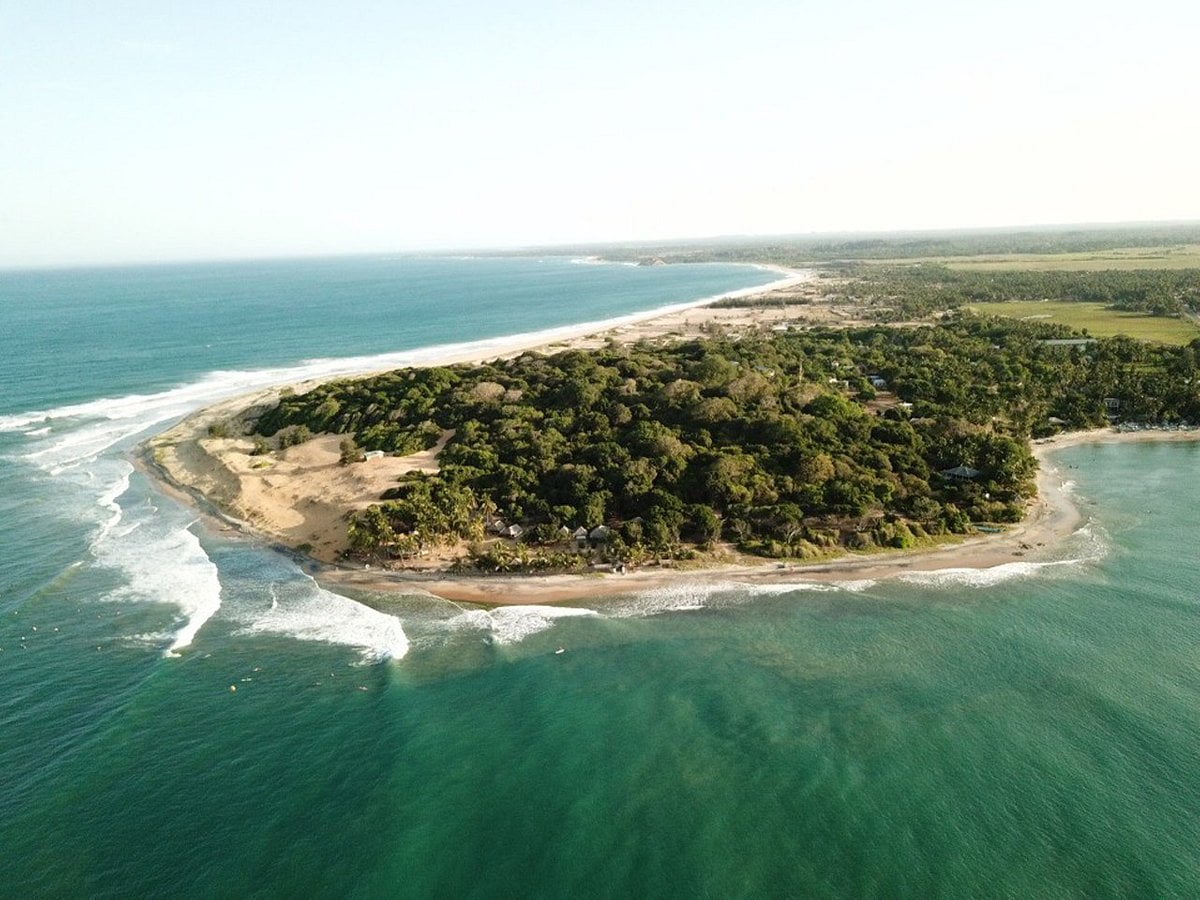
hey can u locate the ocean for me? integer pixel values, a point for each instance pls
(184, 712)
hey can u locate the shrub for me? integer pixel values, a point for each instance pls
(350, 452)
(293, 435)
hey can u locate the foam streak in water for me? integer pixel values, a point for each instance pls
(303, 610)
(108, 500)
(138, 412)
(163, 563)
(689, 596)
(512, 624)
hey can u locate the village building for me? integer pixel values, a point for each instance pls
(373, 454)
(600, 533)
(513, 531)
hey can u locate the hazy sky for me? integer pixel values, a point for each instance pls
(174, 129)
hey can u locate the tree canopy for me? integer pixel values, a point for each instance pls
(776, 442)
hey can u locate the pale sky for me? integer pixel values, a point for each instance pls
(181, 130)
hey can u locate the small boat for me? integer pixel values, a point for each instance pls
(560, 650)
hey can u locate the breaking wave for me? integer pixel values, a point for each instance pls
(1087, 545)
(512, 624)
(303, 610)
(689, 596)
(985, 577)
(163, 564)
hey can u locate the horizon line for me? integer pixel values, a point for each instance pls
(567, 248)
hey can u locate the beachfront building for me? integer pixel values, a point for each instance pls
(373, 454)
(513, 531)
(600, 534)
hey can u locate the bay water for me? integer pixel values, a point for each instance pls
(185, 712)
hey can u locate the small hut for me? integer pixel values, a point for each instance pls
(600, 534)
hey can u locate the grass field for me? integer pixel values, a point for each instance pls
(1184, 256)
(1096, 318)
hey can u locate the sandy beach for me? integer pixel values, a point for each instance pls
(299, 498)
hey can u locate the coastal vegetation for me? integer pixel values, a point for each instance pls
(915, 291)
(1079, 247)
(1178, 256)
(1096, 319)
(1160, 305)
(781, 444)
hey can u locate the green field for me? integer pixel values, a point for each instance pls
(1180, 256)
(1096, 318)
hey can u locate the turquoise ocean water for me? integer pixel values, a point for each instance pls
(1029, 730)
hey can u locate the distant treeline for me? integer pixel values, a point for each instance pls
(758, 301)
(764, 440)
(917, 290)
(803, 249)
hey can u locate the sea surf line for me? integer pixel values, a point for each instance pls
(154, 544)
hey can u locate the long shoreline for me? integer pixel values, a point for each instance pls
(176, 460)
(1052, 517)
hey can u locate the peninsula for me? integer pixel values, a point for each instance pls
(777, 434)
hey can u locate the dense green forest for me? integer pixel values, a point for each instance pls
(777, 442)
(915, 291)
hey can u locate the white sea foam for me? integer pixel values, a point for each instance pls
(857, 586)
(774, 589)
(679, 597)
(108, 500)
(985, 577)
(1087, 545)
(134, 413)
(163, 563)
(600, 261)
(512, 624)
(303, 610)
(689, 596)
